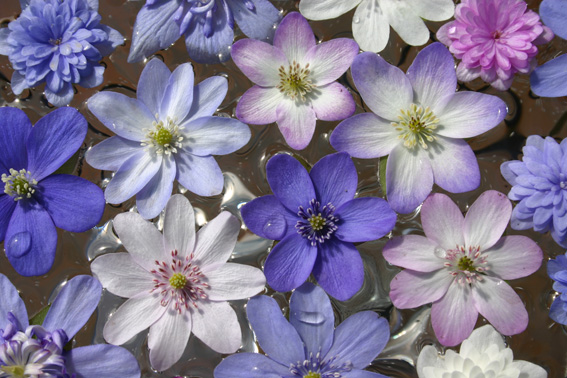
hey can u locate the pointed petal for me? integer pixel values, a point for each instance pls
(111, 153)
(199, 174)
(215, 241)
(179, 226)
(101, 360)
(259, 61)
(11, 302)
(168, 338)
(523, 251)
(266, 217)
(234, 281)
(410, 289)
(290, 182)
(258, 105)
(454, 164)
(409, 26)
(215, 324)
(325, 9)
(152, 84)
(16, 127)
(335, 179)
(365, 219)
(331, 59)
(486, 219)
(152, 198)
(294, 37)
(121, 275)
(207, 97)
(442, 221)
(454, 315)
(413, 252)
(296, 122)
(215, 136)
(371, 29)
(332, 102)
(250, 365)
(178, 94)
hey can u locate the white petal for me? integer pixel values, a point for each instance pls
(433, 10)
(215, 323)
(168, 338)
(296, 121)
(325, 9)
(428, 357)
(406, 23)
(529, 370)
(179, 226)
(479, 341)
(216, 240)
(370, 26)
(119, 274)
(235, 281)
(486, 219)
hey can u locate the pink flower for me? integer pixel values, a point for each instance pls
(494, 39)
(461, 266)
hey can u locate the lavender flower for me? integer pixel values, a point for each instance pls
(308, 346)
(34, 201)
(494, 39)
(295, 80)
(166, 134)
(207, 26)
(37, 350)
(59, 42)
(539, 182)
(557, 271)
(419, 121)
(317, 220)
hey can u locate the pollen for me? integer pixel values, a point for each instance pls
(164, 137)
(416, 126)
(16, 371)
(19, 184)
(311, 374)
(178, 281)
(317, 222)
(295, 82)
(466, 264)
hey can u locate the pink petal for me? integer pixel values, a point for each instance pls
(294, 37)
(258, 105)
(442, 221)
(487, 219)
(514, 257)
(215, 324)
(333, 102)
(168, 338)
(413, 252)
(296, 122)
(179, 226)
(410, 289)
(235, 281)
(259, 61)
(329, 60)
(215, 241)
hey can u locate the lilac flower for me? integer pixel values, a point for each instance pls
(418, 122)
(206, 24)
(308, 346)
(166, 134)
(34, 200)
(494, 39)
(317, 220)
(539, 182)
(59, 42)
(557, 271)
(295, 80)
(549, 79)
(461, 266)
(177, 283)
(37, 350)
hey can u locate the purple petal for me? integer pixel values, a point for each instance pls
(74, 305)
(7, 206)
(553, 13)
(332, 102)
(266, 217)
(215, 136)
(11, 302)
(152, 84)
(331, 59)
(152, 198)
(258, 105)
(410, 289)
(486, 219)
(523, 251)
(259, 61)
(201, 175)
(115, 39)
(454, 165)
(362, 374)
(207, 97)
(101, 360)
(442, 221)
(178, 94)
(168, 339)
(335, 179)
(290, 182)
(111, 153)
(15, 126)
(62, 97)
(257, 23)
(365, 219)
(250, 365)
(294, 37)
(413, 252)
(296, 122)
(548, 79)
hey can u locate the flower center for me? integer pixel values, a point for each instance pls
(178, 281)
(416, 126)
(317, 223)
(311, 374)
(295, 82)
(164, 138)
(466, 264)
(19, 185)
(314, 367)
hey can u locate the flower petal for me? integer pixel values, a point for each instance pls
(330, 60)
(7, 206)
(207, 97)
(553, 14)
(266, 217)
(11, 302)
(250, 365)
(259, 61)
(332, 102)
(548, 79)
(409, 26)
(215, 324)
(121, 275)
(433, 10)
(199, 174)
(486, 219)
(335, 179)
(234, 281)
(296, 121)
(454, 165)
(523, 251)
(152, 84)
(480, 340)
(178, 94)
(258, 105)
(362, 374)
(215, 136)
(168, 339)
(101, 360)
(290, 182)
(294, 37)
(152, 198)
(410, 289)
(370, 26)
(179, 226)
(111, 153)
(442, 221)
(365, 219)
(215, 241)
(413, 252)
(16, 127)
(256, 23)
(528, 369)
(325, 9)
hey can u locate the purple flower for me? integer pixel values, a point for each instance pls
(34, 201)
(461, 264)
(549, 79)
(317, 220)
(557, 271)
(418, 122)
(206, 24)
(494, 39)
(166, 134)
(37, 350)
(308, 346)
(59, 42)
(295, 80)
(539, 182)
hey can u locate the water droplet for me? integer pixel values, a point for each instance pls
(20, 244)
(440, 252)
(309, 317)
(275, 227)
(356, 19)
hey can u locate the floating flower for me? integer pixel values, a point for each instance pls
(483, 354)
(295, 80)
(557, 271)
(418, 122)
(539, 182)
(494, 39)
(461, 266)
(166, 134)
(34, 201)
(59, 42)
(177, 283)
(308, 346)
(38, 350)
(207, 26)
(373, 18)
(317, 220)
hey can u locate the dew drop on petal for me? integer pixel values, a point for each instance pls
(356, 19)
(275, 227)
(19, 245)
(440, 252)
(310, 317)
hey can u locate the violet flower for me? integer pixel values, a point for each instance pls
(177, 283)
(34, 200)
(206, 25)
(317, 220)
(59, 42)
(419, 121)
(461, 266)
(539, 183)
(166, 134)
(494, 39)
(557, 271)
(38, 350)
(295, 80)
(308, 346)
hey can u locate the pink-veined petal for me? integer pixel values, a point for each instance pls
(486, 219)
(514, 257)
(410, 289)
(413, 252)
(442, 221)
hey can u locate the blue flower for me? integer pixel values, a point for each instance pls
(34, 201)
(308, 346)
(59, 42)
(166, 134)
(557, 271)
(206, 24)
(37, 350)
(317, 220)
(539, 182)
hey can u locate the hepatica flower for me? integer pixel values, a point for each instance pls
(373, 18)
(418, 121)
(38, 350)
(177, 283)
(317, 220)
(59, 42)
(483, 354)
(494, 39)
(557, 271)
(461, 264)
(539, 183)
(308, 346)
(166, 134)
(294, 80)
(206, 25)
(33, 200)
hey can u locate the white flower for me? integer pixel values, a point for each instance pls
(483, 354)
(177, 283)
(373, 18)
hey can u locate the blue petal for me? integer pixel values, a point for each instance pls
(335, 179)
(290, 182)
(152, 84)
(257, 23)
(11, 302)
(549, 79)
(7, 205)
(15, 127)
(249, 365)
(153, 197)
(266, 217)
(61, 97)
(101, 360)
(114, 39)
(362, 374)
(558, 311)
(365, 219)
(554, 13)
